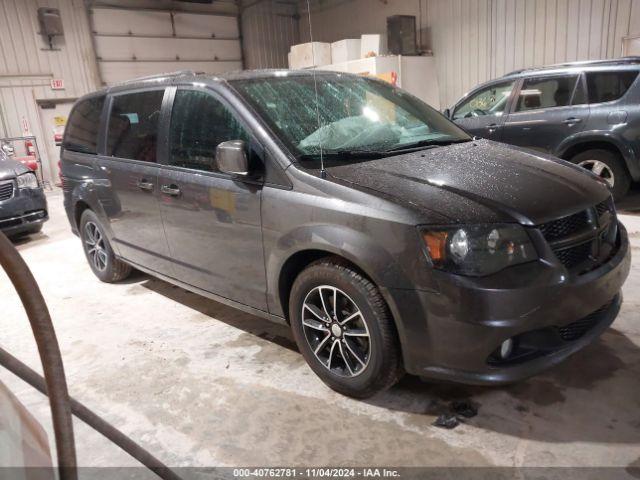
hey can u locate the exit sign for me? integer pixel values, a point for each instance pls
(57, 84)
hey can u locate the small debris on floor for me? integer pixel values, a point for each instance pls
(446, 420)
(455, 413)
(465, 409)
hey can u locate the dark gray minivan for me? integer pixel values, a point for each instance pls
(388, 239)
(585, 112)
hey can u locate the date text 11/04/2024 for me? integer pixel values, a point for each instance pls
(316, 473)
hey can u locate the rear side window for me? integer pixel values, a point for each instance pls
(81, 132)
(133, 125)
(608, 86)
(199, 123)
(546, 92)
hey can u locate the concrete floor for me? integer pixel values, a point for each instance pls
(200, 384)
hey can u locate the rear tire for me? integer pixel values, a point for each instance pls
(98, 251)
(607, 165)
(361, 356)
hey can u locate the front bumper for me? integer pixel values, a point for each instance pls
(23, 212)
(453, 333)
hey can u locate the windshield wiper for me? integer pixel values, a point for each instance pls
(427, 144)
(344, 155)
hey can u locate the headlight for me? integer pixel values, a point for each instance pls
(477, 250)
(28, 180)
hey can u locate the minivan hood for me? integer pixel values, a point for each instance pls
(11, 168)
(479, 181)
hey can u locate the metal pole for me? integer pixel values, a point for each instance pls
(54, 383)
(45, 336)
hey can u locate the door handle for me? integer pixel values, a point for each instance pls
(492, 127)
(172, 190)
(571, 120)
(144, 185)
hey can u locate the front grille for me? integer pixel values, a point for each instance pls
(578, 240)
(6, 190)
(563, 227)
(573, 256)
(577, 329)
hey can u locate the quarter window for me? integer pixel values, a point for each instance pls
(609, 86)
(133, 125)
(546, 92)
(489, 101)
(81, 132)
(199, 123)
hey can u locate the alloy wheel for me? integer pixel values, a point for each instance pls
(336, 330)
(599, 168)
(94, 243)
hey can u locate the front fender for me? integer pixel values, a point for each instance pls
(380, 265)
(357, 247)
(608, 137)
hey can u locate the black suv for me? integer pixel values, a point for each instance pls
(381, 232)
(585, 112)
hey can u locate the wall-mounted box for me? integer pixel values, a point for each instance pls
(401, 35)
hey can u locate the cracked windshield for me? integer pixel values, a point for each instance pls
(352, 115)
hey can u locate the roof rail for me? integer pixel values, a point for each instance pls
(610, 61)
(178, 73)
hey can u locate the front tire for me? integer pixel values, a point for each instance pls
(344, 329)
(607, 165)
(98, 251)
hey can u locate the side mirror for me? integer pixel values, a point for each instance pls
(447, 113)
(231, 158)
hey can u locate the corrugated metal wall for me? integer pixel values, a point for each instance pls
(27, 67)
(476, 40)
(269, 28)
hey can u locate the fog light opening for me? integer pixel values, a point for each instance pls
(506, 349)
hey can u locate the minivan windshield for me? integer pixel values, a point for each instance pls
(354, 115)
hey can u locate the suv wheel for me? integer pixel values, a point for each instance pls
(344, 329)
(608, 166)
(99, 252)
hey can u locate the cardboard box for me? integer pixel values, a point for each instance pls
(373, 45)
(345, 50)
(307, 55)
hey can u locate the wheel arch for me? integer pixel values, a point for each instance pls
(301, 259)
(573, 146)
(85, 198)
(298, 261)
(78, 209)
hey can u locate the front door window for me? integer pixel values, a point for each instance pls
(199, 123)
(490, 101)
